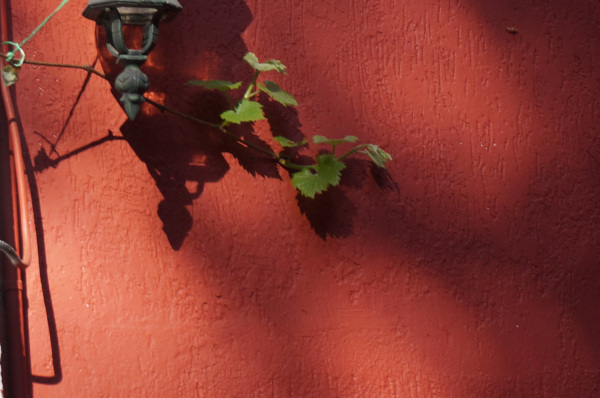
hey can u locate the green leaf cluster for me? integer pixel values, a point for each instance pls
(248, 109)
(311, 179)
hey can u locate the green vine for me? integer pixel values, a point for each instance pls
(308, 179)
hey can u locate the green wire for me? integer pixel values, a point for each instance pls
(11, 54)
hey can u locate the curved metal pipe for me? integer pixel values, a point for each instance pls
(15, 144)
(17, 358)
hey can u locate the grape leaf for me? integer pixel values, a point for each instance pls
(215, 84)
(265, 66)
(275, 92)
(10, 75)
(327, 172)
(330, 168)
(319, 139)
(308, 183)
(245, 111)
(287, 143)
(377, 155)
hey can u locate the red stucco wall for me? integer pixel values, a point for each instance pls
(179, 265)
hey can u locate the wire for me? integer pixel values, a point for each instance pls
(10, 55)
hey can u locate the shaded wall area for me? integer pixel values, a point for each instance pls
(180, 264)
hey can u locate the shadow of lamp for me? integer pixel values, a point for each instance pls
(114, 15)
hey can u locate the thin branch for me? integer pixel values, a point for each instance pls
(165, 108)
(353, 150)
(87, 68)
(213, 125)
(248, 92)
(250, 145)
(284, 162)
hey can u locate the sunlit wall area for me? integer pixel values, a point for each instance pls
(171, 261)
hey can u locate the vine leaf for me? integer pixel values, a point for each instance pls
(268, 66)
(377, 155)
(287, 143)
(275, 92)
(10, 75)
(220, 85)
(245, 111)
(319, 139)
(316, 179)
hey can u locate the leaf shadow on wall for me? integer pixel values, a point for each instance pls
(330, 213)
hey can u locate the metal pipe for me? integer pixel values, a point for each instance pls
(15, 366)
(18, 372)
(15, 143)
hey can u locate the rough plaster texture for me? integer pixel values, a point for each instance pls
(173, 263)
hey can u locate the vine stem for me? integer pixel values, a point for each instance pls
(251, 86)
(353, 150)
(294, 166)
(165, 108)
(220, 127)
(87, 68)
(248, 144)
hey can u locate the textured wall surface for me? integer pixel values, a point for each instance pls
(174, 263)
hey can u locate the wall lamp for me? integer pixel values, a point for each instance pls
(114, 15)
